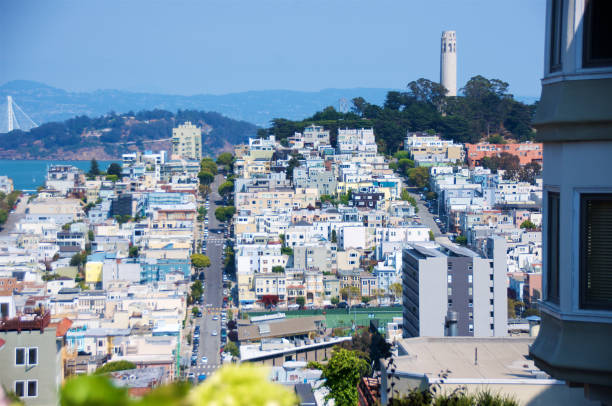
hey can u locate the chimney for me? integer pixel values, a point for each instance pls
(450, 324)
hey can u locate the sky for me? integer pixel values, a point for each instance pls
(224, 46)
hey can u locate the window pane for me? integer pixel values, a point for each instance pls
(33, 356)
(20, 388)
(19, 356)
(32, 388)
(556, 30)
(552, 271)
(597, 48)
(595, 247)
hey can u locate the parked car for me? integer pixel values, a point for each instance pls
(342, 305)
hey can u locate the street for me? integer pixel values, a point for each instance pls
(14, 218)
(427, 218)
(213, 291)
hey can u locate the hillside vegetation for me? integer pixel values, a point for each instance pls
(485, 109)
(111, 135)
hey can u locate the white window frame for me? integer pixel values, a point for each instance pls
(593, 315)
(28, 356)
(26, 388)
(25, 356)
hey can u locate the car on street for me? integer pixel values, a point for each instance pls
(214, 333)
(204, 360)
(191, 376)
(201, 377)
(215, 317)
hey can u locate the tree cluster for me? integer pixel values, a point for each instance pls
(225, 213)
(485, 108)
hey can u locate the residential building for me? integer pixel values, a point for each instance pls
(443, 278)
(574, 123)
(187, 142)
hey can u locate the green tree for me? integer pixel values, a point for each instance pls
(404, 164)
(3, 216)
(334, 236)
(224, 213)
(418, 177)
(402, 154)
(226, 189)
(432, 237)
(225, 158)
(233, 349)
(342, 373)
(195, 310)
(200, 261)
(78, 259)
(528, 224)
(208, 165)
(286, 250)
(114, 169)
(461, 240)
(301, 301)
(396, 290)
(335, 300)
(94, 169)
(278, 269)
(115, 366)
(206, 177)
(133, 253)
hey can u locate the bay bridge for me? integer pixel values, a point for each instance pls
(12, 117)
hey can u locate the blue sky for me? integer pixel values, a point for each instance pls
(223, 46)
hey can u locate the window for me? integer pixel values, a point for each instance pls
(33, 356)
(20, 356)
(556, 35)
(32, 389)
(595, 244)
(20, 388)
(596, 46)
(552, 274)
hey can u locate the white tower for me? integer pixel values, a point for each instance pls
(448, 62)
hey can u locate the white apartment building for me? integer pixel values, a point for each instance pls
(187, 142)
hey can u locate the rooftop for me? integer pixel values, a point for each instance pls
(469, 360)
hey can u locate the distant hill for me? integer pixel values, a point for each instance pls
(45, 103)
(109, 136)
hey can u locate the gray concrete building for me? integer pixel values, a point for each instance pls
(30, 359)
(324, 181)
(442, 277)
(320, 256)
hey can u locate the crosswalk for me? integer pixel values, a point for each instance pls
(205, 367)
(215, 240)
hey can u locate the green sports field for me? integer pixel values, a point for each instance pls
(342, 318)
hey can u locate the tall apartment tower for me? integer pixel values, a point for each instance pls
(438, 278)
(187, 142)
(448, 62)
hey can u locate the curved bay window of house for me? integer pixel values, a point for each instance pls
(596, 251)
(597, 33)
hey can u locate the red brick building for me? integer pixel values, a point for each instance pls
(526, 152)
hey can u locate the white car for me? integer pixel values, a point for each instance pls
(204, 360)
(214, 333)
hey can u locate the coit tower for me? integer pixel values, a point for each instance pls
(448, 62)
